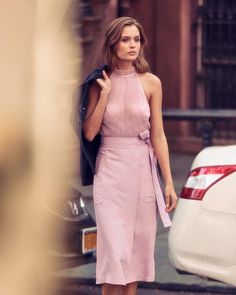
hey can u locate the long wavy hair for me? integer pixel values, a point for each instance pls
(112, 37)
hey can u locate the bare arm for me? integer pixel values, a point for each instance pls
(96, 107)
(159, 141)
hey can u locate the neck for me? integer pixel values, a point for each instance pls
(124, 65)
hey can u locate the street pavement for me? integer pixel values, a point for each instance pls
(166, 276)
(93, 290)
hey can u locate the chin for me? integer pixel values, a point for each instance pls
(131, 59)
(128, 59)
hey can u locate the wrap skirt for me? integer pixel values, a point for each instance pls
(125, 201)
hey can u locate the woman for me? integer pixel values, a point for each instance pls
(125, 108)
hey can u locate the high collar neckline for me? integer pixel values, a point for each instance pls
(125, 72)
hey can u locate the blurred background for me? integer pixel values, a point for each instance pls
(40, 67)
(191, 47)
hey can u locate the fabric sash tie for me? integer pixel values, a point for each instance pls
(145, 136)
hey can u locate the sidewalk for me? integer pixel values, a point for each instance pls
(166, 276)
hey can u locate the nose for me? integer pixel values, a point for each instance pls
(131, 43)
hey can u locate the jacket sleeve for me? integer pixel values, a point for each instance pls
(88, 149)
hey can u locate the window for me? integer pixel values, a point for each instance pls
(216, 54)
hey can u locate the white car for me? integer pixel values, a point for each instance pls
(202, 239)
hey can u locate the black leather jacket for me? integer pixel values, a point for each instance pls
(88, 149)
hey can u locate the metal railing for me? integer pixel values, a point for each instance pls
(207, 118)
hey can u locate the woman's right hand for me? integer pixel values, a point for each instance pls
(105, 83)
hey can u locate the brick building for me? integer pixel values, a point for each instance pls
(192, 48)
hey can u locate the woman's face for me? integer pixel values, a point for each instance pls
(129, 45)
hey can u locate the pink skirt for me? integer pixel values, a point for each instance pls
(126, 212)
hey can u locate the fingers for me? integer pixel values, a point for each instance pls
(167, 202)
(173, 206)
(103, 82)
(105, 75)
(171, 202)
(100, 82)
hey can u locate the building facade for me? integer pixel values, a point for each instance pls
(191, 48)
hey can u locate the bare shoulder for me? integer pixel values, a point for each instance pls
(151, 84)
(154, 84)
(152, 79)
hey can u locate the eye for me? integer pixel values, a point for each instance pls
(137, 39)
(124, 39)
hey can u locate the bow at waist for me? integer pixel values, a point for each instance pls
(145, 136)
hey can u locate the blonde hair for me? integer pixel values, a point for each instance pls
(112, 37)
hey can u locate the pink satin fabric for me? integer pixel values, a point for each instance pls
(127, 194)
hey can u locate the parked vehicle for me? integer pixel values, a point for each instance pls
(74, 230)
(202, 238)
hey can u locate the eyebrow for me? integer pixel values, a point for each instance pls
(130, 36)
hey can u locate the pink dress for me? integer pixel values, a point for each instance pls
(126, 191)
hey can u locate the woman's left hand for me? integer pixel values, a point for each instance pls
(171, 198)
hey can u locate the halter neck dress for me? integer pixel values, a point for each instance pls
(127, 195)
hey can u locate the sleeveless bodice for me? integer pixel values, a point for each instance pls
(127, 112)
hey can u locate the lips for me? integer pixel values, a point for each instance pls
(132, 52)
